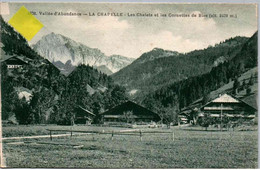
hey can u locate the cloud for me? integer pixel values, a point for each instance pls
(107, 24)
(178, 34)
(163, 39)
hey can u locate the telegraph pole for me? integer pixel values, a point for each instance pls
(221, 116)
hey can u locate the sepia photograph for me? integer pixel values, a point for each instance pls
(128, 85)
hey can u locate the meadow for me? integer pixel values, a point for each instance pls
(191, 148)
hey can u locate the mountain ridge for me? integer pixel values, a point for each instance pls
(159, 71)
(156, 53)
(57, 47)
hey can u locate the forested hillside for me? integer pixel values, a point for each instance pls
(180, 94)
(38, 78)
(104, 93)
(159, 68)
(39, 93)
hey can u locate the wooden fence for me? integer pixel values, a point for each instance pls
(138, 132)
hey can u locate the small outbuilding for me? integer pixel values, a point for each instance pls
(83, 116)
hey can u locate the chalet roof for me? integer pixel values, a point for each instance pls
(128, 104)
(251, 100)
(225, 98)
(89, 112)
(193, 106)
(15, 60)
(229, 115)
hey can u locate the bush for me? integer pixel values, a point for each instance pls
(205, 121)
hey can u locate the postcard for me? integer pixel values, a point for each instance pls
(128, 85)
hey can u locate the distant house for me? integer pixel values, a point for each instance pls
(183, 119)
(229, 106)
(83, 116)
(189, 114)
(129, 112)
(14, 62)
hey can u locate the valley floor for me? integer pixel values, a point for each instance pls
(191, 148)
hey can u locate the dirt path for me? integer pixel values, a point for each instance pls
(39, 136)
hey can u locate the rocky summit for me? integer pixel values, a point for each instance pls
(60, 49)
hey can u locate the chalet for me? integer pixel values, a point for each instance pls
(229, 106)
(14, 62)
(189, 114)
(83, 116)
(129, 112)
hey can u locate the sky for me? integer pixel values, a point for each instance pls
(131, 36)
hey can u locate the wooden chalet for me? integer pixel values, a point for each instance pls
(129, 112)
(83, 116)
(229, 106)
(189, 113)
(14, 62)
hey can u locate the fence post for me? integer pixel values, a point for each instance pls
(71, 133)
(112, 135)
(172, 135)
(50, 135)
(141, 135)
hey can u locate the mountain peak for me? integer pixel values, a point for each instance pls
(156, 53)
(156, 48)
(57, 47)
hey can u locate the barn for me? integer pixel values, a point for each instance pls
(229, 106)
(129, 112)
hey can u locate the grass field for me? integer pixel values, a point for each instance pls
(192, 148)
